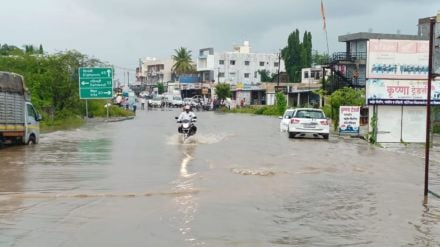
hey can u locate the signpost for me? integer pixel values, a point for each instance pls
(349, 117)
(95, 83)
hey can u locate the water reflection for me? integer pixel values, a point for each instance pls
(187, 204)
(13, 178)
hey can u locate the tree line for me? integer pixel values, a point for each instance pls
(52, 79)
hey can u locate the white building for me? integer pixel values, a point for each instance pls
(314, 75)
(238, 66)
(157, 70)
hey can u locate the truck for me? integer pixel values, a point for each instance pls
(19, 121)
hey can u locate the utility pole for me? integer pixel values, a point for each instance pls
(279, 64)
(428, 107)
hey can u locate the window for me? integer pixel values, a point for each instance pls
(276, 64)
(306, 74)
(221, 74)
(246, 63)
(246, 75)
(262, 63)
(309, 114)
(312, 74)
(232, 62)
(221, 62)
(31, 112)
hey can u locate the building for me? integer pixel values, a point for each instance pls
(239, 68)
(393, 69)
(303, 94)
(157, 70)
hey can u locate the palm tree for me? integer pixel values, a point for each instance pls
(182, 62)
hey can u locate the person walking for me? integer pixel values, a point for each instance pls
(142, 103)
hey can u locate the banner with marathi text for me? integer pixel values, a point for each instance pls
(398, 59)
(349, 119)
(401, 92)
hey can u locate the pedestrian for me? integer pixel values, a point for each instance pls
(134, 108)
(142, 103)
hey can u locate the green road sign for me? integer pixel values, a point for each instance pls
(95, 83)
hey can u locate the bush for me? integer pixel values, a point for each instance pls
(436, 128)
(272, 111)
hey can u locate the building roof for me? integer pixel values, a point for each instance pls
(368, 36)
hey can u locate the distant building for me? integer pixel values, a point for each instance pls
(238, 66)
(157, 70)
(314, 75)
(349, 68)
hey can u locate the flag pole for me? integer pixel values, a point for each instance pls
(324, 26)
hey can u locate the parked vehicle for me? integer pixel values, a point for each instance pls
(308, 121)
(156, 101)
(285, 119)
(177, 101)
(190, 102)
(19, 121)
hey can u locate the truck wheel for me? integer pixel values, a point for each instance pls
(32, 140)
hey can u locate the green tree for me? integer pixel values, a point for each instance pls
(52, 80)
(160, 88)
(6, 50)
(345, 96)
(297, 55)
(223, 91)
(320, 59)
(182, 62)
(265, 76)
(40, 50)
(280, 102)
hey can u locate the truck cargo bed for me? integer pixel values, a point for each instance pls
(12, 107)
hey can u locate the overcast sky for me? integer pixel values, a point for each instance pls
(122, 31)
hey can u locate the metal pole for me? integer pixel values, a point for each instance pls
(428, 107)
(108, 106)
(279, 64)
(87, 109)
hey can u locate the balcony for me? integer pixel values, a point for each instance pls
(350, 57)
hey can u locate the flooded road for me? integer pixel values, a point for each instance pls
(238, 182)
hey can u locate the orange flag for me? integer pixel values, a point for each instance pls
(323, 15)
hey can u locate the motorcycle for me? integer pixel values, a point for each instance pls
(187, 127)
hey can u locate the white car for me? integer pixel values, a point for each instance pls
(177, 101)
(306, 121)
(285, 119)
(156, 101)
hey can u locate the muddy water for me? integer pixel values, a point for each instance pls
(238, 182)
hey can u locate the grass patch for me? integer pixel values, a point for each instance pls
(257, 110)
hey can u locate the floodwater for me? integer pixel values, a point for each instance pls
(238, 182)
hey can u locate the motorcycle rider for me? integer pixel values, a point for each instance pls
(187, 114)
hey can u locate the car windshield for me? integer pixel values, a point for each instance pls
(177, 98)
(309, 114)
(157, 98)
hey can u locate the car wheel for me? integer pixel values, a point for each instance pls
(291, 134)
(325, 136)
